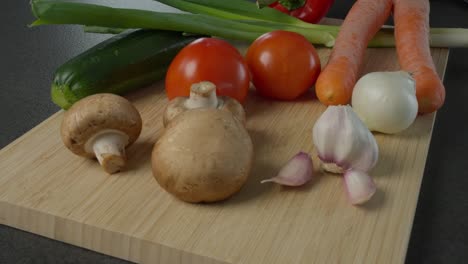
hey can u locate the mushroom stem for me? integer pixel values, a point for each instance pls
(202, 95)
(109, 149)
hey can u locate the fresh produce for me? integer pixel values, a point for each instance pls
(335, 84)
(61, 12)
(311, 11)
(102, 126)
(284, 65)
(202, 95)
(103, 30)
(345, 145)
(204, 155)
(246, 12)
(298, 171)
(412, 44)
(359, 187)
(386, 101)
(118, 65)
(243, 10)
(208, 59)
(218, 22)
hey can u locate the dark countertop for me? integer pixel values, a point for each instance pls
(30, 56)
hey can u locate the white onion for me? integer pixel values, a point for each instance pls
(386, 101)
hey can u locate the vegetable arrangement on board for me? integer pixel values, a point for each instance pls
(207, 80)
(120, 64)
(335, 84)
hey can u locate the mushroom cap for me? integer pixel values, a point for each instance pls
(203, 155)
(96, 113)
(177, 106)
(233, 106)
(173, 109)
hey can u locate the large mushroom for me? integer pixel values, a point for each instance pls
(203, 95)
(203, 155)
(102, 126)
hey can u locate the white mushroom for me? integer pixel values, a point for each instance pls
(203, 95)
(101, 126)
(203, 155)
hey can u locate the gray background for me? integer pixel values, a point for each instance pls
(30, 56)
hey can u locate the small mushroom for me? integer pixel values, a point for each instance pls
(102, 126)
(203, 95)
(203, 155)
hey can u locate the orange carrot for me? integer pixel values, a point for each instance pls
(335, 84)
(412, 43)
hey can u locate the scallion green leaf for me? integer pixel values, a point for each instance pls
(58, 12)
(103, 30)
(215, 18)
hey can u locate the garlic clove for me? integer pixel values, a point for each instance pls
(368, 156)
(342, 139)
(326, 125)
(297, 172)
(360, 187)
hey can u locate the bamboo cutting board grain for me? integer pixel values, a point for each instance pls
(47, 190)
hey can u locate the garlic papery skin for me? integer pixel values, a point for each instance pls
(386, 101)
(343, 141)
(359, 186)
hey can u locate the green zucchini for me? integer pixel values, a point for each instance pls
(123, 63)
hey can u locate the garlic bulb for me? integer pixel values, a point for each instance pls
(386, 101)
(344, 143)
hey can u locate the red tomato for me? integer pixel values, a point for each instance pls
(209, 59)
(283, 64)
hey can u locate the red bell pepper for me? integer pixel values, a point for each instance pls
(311, 11)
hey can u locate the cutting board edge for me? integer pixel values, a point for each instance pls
(54, 224)
(413, 214)
(415, 206)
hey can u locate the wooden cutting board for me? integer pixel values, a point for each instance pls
(46, 190)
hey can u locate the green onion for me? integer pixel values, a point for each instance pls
(307, 33)
(58, 12)
(246, 26)
(241, 9)
(440, 37)
(103, 30)
(247, 9)
(202, 9)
